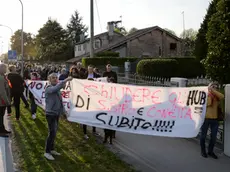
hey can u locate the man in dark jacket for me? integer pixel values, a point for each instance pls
(90, 73)
(110, 74)
(17, 89)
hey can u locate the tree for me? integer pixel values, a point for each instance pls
(120, 30)
(189, 37)
(29, 43)
(52, 42)
(132, 30)
(189, 33)
(170, 31)
(217, 63)
(201, 45)
(76, 28)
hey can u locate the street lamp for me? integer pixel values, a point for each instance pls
(22, 42)
(8, 28)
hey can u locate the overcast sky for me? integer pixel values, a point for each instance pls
(135, 13)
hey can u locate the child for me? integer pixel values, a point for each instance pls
(109, 133)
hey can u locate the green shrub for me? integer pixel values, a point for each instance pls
(157, 67)
(187, 67)
(107, 54)
(102, 61)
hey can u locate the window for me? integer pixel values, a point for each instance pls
(79, 47)
(173, 46)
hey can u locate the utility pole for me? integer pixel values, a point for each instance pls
(22, 40)
(183, 25)
(91, 29)
(183, 51)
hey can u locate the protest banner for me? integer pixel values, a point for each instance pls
(159, 111)
(37, 88)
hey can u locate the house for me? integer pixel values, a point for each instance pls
(100, 41)
(148, 42)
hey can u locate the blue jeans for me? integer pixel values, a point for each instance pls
(214, 125)
(52, 121)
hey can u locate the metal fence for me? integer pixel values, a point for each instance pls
(134, 79)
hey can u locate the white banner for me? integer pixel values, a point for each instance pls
(159, 111)
(38, 90)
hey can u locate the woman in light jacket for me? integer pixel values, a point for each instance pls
(211, 120)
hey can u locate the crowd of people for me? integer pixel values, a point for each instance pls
(12, 88)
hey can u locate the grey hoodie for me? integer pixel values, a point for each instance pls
(53, 99)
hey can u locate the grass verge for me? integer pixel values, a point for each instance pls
(77, 154)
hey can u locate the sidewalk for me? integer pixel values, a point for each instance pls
(160, 154)
(6, 162)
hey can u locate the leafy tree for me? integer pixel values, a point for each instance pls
(201, 45)
(217, 63)
(76, 28)
(29, 43)
(52, 42)
(121, 30)
(132, 30)
(170, 31)
(189, 37)
(189, 33)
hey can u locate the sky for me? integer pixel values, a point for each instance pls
(135, 13)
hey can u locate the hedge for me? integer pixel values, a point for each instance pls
(107, 54)
(157, 67)
(174, 67)
(103, 61)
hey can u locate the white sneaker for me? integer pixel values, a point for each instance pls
(34, 116)
(55, 153)
(86, 137)
(49, 156)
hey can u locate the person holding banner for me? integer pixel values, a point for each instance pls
(54, 108)
(211, 120)
(90, 75)
(34, 76)
(110, 74)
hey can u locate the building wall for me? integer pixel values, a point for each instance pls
(122, 51)
(153, 44)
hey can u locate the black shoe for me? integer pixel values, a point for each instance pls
(204, 154)
(212, 155)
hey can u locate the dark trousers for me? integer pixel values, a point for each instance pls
(2, 113)
(52, 121)
(24, 100)
(9, 110)
(16, 97)
(33, 105)
(213, 124)
(85, 129)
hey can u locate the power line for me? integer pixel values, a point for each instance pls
(98, 15)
